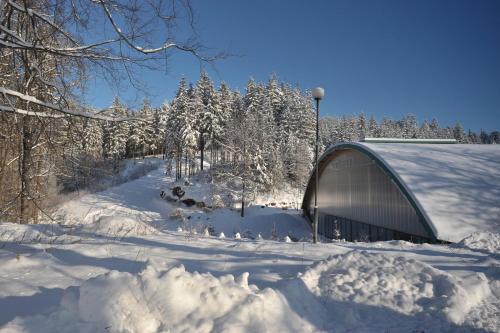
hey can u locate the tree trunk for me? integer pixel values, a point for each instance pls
(202, 148)
(25, 161)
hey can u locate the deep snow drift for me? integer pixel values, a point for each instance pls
(355, 291)
(405, 286)
(117, 263)
(173, 300)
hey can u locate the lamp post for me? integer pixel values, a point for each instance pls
(317, 94)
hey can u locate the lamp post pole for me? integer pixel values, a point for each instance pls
(318, 94)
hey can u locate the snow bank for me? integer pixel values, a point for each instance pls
(34, 233)
(172, 301)
(483, 241)
(400, 285)
(118, 226)
(106, 226)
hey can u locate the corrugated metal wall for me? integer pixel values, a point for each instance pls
(354, 187)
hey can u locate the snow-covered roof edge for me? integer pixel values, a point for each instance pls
(397, 140)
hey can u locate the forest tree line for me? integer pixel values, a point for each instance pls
(260, 140)
(357, 127)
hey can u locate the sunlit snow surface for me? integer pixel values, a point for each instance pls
(457, 185)
(118, 264)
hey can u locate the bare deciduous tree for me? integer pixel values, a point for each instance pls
(48, 49)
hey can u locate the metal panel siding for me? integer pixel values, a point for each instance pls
(355, 187)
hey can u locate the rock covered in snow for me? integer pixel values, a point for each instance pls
(237, 236)
(288, 239)
(222, 236)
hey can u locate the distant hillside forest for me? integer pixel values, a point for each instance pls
(260, 140)
(355, 128)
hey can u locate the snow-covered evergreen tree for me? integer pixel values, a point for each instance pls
(373, 128)
(206, 116)
(115, 134)
(459, 133)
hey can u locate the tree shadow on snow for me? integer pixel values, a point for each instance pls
(73, 258)
(39, 303)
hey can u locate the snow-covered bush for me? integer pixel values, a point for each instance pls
(217, 201)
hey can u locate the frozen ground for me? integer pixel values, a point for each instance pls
(118, 264)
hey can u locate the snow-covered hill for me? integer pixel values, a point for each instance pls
(117, 263)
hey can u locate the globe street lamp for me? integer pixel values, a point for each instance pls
(317, 94)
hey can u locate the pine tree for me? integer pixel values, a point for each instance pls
(458, 133)
(362, 127)
(205, 116)
(434, 129)
(484, 137)
(160, 116)
(115, 134)
(424, 131)
(409, 126)
(179, 121)
(373, 128)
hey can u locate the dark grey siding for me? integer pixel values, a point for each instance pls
(353, 187)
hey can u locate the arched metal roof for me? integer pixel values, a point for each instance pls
(454, 188)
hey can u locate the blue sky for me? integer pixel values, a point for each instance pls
(384, 58)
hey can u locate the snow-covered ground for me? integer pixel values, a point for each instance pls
(125, 260)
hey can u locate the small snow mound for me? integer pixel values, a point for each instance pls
(484, 241)
(206, 232)
(176, 214)
(168, 301)
(402, 285)
(288, 239)
(222, 236)
(237, 236)
(259, 237)
(179, 229)
(119, 226)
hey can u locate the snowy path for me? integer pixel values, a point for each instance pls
(139, 197)
(54, 281)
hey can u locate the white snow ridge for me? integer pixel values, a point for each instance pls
(167, 301)
(362, 288)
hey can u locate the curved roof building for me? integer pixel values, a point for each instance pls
(417, 192)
